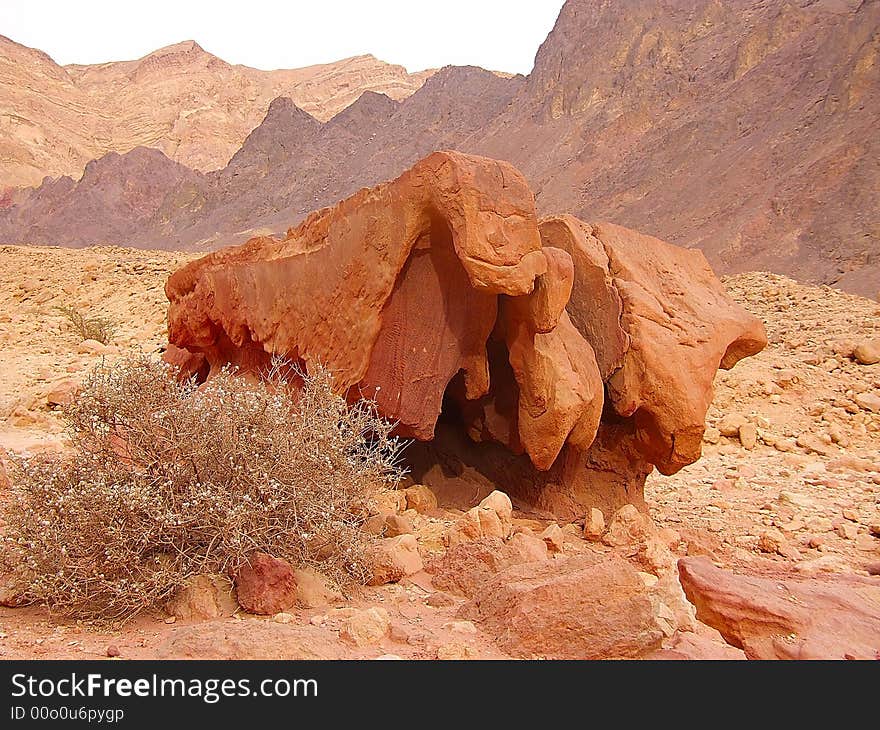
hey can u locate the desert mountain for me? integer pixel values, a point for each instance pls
(292, 164)
(288, 166)
(193, 106)
(745, 128)
(116, 199)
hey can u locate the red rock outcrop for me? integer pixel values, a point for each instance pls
(837, 617)
(442, 297)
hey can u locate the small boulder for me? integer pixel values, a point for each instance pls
(594, 525)
(490, 523)
(374, 525)
(811, 443)
(628, 526)
(553, 538)
(366, 627)
(868, 401)
(824, 564)
(62, 392)
(465, 529)
(770, 541)
(493, 517)
(396, 525)
(748, 436)
(699, 542)
(314, 589)
(390, 501)
(265, 585)
(730, 424)
(655, 555)
(868, 352)
(420, 498)
(393, 558)
(530, 547)
(670, 537)
(500, 504)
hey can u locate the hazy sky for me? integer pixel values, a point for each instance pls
(502, 35)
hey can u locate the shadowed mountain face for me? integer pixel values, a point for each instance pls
(116, 199)
(745, 128)
(291, 164)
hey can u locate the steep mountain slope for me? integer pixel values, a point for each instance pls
(746, 128)
(288, 166)
(193, 106)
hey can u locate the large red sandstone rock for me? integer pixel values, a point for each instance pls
(440, 293)
(821, 618)
(591, 606)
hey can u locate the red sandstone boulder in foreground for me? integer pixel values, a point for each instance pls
(442, 296)
(837, 617)
(586, 607)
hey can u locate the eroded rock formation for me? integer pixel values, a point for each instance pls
(557, 359)
(834, 617)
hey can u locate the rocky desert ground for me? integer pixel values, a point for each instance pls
(787, 492)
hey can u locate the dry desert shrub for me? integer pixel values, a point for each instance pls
(167, 480)
(95, 327)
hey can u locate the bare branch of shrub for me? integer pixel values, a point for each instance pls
(167, 480)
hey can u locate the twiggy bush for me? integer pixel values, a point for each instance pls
(166, 481)
(96, 328)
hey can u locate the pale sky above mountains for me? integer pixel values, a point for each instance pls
(502, 35)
